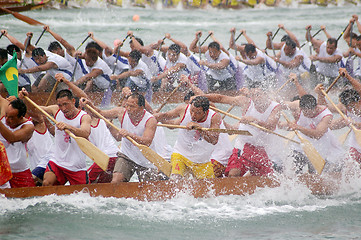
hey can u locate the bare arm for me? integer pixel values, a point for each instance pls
(290, 34)
(69, 48)
(93, 74)
(13, 40)
(40, 68)
(316, 133)
(108, 50)
(21, 135)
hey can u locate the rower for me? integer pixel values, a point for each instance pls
(49, 62)
(256, 155)
(350, 105)
(223, 148)
(100, 136)
(139, 125)
(194, 147)
(218, 64)
(69, 162)
(15, 132)
(328, 58)
(313, 122)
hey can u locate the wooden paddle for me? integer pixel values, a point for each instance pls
(344, 136)
(77, 58)
(220, 130)
(23, 18)
(147, 152)
(253, 124)
(168, 97)
(333, 83)
(351, 126)
(52, 93)
(94, 153)
(228, 110)
(314, 35)
(315, 158)
(288, 81)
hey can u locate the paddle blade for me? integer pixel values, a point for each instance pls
(156, 159)
(357, 134)
(344, 136)
(315, 158)
(94, 153)
(23, 17)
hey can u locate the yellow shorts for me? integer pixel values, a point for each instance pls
(199, 170)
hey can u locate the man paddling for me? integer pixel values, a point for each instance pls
(69, 162)
(252, 154)
(140, 125)
(313, 122)
(15, 132)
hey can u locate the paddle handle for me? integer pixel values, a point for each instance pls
(167, 99)
(118, 52)
(289, 80)
(253, 124)
(333, 83)
(48, 116)
(52, 93)
(82, 42)
(228, 110)
(273, 37)
(295, 131)
(204, 41)
(41, 35)
(102, 117)
(314, 35)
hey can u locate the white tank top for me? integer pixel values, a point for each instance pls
(190, 144)
(328, 145)
(122, 63)
(67, 153)
(64, 66)
(40, 149)
(128, 148)
(81, 67)
(259, 137)
(101, 137)
(16, 151)
(181, 59)
(155, 64)
(223, 149)
(103, 80)
(142, 80)
(218, 74)
(303, 67)
(328, 69)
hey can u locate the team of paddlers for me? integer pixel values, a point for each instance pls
(288, 84)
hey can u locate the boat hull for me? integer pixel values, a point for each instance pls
(163, 190)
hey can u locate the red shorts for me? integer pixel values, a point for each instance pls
(63, 175)
(97, 175)
(253, 159)
(355, 155)
(22, 179)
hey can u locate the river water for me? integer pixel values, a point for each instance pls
(286, 212)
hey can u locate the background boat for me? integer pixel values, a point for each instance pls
(20, 6)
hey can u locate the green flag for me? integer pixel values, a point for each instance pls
(9, 76)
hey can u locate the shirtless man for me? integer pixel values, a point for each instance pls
(15, 132)
(69, 162)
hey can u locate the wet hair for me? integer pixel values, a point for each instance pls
(38, 52)
(136, 55)
(249, 48)
(291, 43)
(201, 101)
(53, 46)
(175, 48)
(3, 54)
(20, 106)
(92, 53)
(10, 48)
(139, 97)
(332, 41)
(308, 102)
(64, 93)
(353, 36)
(285, 38)
(214, 45)
(77, 100)
(95, 45)
(188, 96)
(138, 40)
(349, 96)
(358, 38)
